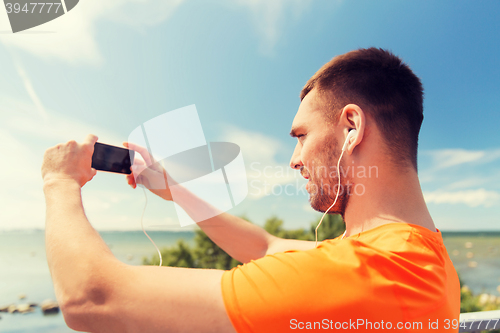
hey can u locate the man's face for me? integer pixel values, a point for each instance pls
(316, 155)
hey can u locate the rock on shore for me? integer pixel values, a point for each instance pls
(48, 307)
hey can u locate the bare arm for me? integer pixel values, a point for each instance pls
(241, 239)
(160, 299)
(98, 293)
(75, 251)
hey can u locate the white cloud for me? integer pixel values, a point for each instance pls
(455, 169)
(114, 208)
(20, 194)
(446, 158)
(30, 90)
(141, 13)
(471, 198)
(59, 128)
(474, 182)
(259, 151)
(71, 37)
(269, 16)
(255, 146)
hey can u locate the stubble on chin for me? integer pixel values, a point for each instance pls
(322, 194)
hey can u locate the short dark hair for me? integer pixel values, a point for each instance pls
(384, 87)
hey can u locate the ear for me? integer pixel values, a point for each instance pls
(353, 117)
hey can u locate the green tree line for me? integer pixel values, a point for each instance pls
(206, 254)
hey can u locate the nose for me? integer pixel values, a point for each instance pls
(295, 162)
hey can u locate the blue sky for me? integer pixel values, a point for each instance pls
(107, 67)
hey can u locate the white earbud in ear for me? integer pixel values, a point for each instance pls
(351, 134)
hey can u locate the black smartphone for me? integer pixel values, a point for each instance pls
(112, 158)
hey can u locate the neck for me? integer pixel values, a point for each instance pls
(391, 196)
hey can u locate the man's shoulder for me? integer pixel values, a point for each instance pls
(393, 236)
(397, 243)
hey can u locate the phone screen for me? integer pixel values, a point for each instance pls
(112, 158)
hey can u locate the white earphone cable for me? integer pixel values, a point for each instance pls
(142, 225)
(335, 201)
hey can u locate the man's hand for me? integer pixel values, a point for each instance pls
(152, 175)
(70, 161)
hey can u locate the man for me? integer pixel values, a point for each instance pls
(389, 271)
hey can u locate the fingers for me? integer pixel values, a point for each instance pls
(148, 172)
(141, 150)
(131, 180)
(70, 160)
